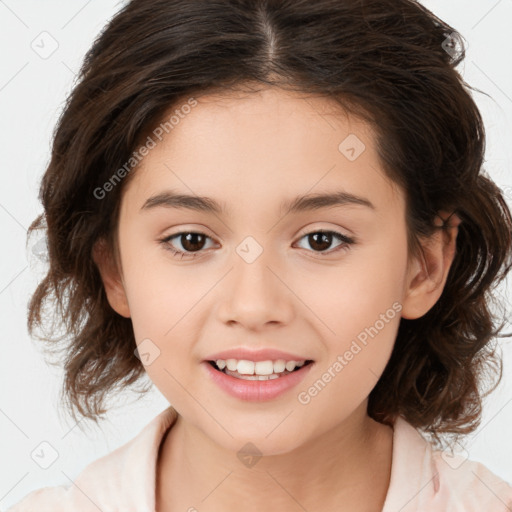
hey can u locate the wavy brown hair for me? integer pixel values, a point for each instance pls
(394, 64)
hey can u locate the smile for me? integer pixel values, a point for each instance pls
(256, 380)
(257, 370)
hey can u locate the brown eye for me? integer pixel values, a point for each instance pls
(189, 243)
(320, 241)
(192, 241)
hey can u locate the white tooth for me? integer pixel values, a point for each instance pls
(264, 368)
(231, 364)
(243, 377)
(220, 363)
(279, 365)
(290, 365)
(245, 367)
(263, 377)
(248, 377)
(273, 376)
(300, 363)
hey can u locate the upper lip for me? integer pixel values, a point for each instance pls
(264, 354)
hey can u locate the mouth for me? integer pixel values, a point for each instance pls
(260, 370)
(261, 380)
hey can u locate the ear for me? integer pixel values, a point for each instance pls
(427, 273)
(111, 277)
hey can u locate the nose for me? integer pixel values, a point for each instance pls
(256, 294)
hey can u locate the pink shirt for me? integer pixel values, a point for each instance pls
(422, 480)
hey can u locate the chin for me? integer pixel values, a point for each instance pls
(267, 436)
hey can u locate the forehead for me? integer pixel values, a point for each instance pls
(244, 146)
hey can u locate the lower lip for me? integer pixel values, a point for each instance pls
(256, 390)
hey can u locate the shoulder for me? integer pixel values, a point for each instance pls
(122, 479)
(88, 492)
(46, 499)
(459, 481)
(424, 479)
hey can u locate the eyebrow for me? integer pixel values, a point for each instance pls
(169, 199)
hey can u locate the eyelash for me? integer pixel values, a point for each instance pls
(347, 241)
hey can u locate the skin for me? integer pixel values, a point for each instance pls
(250, 153)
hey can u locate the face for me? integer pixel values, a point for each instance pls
(258, 274)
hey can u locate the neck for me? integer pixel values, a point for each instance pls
(348, 465)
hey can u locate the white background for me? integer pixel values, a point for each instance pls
(32, 94)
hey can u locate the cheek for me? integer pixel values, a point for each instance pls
(159, 292)
(363, 313)
(160, 306)
(360, 303)
(354, 296)
(164, 301)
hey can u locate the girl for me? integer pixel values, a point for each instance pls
(277, 210)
